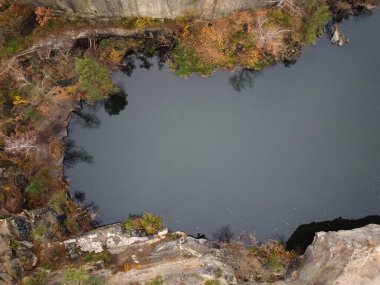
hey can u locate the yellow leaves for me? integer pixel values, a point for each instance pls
(71, 89)
(116, 56)
(17, 100)
(6, 188)
(129, 266)
(252, 58)
(142, 22)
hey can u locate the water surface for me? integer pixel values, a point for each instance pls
(294, 145)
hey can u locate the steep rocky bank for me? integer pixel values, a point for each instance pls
(343, 257)
(169, 9)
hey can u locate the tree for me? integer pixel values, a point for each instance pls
(94, 79)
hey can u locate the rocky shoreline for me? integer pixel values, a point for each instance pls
(350, 257)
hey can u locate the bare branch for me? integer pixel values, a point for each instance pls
(265, 34)
(20, 143)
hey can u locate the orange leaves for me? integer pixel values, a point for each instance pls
(43, 15)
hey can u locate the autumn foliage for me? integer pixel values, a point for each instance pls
(43, 15)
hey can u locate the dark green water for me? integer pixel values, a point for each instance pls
(300, 144)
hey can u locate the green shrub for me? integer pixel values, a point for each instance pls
(313, 23)
(12, 46)
(36, 188)
(280, 18)
(79, 276)
(104, 256)
(184, 62)
(150, 223)
(156, 281)
(14, 244)
(274, 263)
(39, 231)
(59, 201)
(106, 42)
(72, 225)
(73, 276)
(39, 278)
(31, 114)
(94, 79)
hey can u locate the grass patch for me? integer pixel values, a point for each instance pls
(212, 282)
(12, 46)
(156, 281)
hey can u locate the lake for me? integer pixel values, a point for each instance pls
(262, 152)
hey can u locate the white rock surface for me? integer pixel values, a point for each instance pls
(341, 258)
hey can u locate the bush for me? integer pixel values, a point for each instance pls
(37, 279)
(36, 188)
(31, 114)
(104, 256)
(274, 263)
(280, 18)
(75, 276)
(39, 231)
(12, 46)
(313, 23)
(150, 223)
(184, 62)
(94, 79)
(275, 255)
(59, 201)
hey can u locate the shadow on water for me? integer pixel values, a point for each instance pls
(304, 234)
(76, 154)
(116, 103)
(86, 119)
(243, 78)
(142, 57)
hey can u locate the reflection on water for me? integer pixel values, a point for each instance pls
(243, 78)
(86, 119)
(76, 154)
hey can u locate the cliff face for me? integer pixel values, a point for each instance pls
(150, 8)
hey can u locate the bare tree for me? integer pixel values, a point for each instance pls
(293, 6)
(19, 143)
(266, 34)
(224, 234)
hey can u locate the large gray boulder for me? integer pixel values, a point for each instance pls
(341, 258)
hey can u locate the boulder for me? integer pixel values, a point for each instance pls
(345, 257)
(27, 258)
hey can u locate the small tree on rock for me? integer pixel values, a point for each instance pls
(94, 79)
